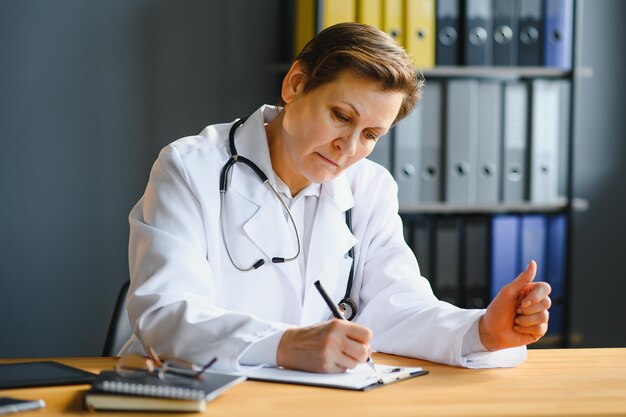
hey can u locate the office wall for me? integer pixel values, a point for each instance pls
(89, 93)
(599, 234)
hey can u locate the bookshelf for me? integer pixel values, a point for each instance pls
(444, 229)
(461, 209)
(502, 73)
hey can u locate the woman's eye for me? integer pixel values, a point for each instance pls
(371, 136)
(341, 117)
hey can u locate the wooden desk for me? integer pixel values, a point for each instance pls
(573, 382)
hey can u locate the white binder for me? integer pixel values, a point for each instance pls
(407, 156)
(515, 142)
(431, 143)
(564, 129)
(382, 151)
(489, 143)
(544, 155)
(461, 141)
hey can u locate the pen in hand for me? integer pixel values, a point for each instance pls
(337, 314)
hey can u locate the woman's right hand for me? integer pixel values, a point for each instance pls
(333, 346)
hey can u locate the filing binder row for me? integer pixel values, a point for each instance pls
(468, 259)
(456, 32)
(481, 142)
(516, 240)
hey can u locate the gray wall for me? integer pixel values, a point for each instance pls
(89, 93)
(599, 250)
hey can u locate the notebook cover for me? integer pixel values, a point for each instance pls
(96, 400)
(149, 385)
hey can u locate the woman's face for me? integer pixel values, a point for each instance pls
(330, 128)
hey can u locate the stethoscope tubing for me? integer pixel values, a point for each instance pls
(346, 304)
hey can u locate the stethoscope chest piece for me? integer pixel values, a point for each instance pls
(348, 307)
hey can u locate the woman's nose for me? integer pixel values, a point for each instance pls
(348, 143)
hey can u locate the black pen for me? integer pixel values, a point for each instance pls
(337, 314)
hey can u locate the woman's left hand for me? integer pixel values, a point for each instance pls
(518, 315)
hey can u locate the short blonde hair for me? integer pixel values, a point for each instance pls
(368, 52)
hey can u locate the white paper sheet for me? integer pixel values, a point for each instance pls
(358, 378)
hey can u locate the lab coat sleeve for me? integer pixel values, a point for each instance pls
(172, 299)
(398, 304)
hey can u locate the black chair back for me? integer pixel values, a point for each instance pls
(119, 328)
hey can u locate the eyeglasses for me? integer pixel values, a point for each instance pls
(136, 366)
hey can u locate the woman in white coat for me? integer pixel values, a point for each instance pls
(204, 234)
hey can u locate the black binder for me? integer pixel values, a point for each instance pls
(446, 285)
(478, 32)
(477, 263)
(505, 32)
(447, 48)
(530, 32)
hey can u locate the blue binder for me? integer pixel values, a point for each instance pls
(505, 251)
(555, 272)
(534, 228)
(558, 31)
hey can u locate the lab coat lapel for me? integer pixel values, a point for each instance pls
(328, 259)
(251, 142)
(266, 227)
(269, 231)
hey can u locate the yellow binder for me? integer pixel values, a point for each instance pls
(369, 12)
(392, 19)
(336, 11)
(420, 32)
(305, 16)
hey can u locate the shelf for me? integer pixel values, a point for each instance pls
(522, 207)
(507, 73)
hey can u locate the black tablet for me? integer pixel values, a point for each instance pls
(40, 374)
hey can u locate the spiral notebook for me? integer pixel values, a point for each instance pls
(111, 391)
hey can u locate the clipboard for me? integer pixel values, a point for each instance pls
(360, 378)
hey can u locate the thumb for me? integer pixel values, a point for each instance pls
(525, 277)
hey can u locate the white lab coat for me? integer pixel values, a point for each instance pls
(187, 300)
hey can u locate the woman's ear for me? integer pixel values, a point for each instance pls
(293, 83)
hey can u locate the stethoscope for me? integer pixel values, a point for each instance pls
(347, 305)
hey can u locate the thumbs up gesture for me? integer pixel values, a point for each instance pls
(518, 315)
